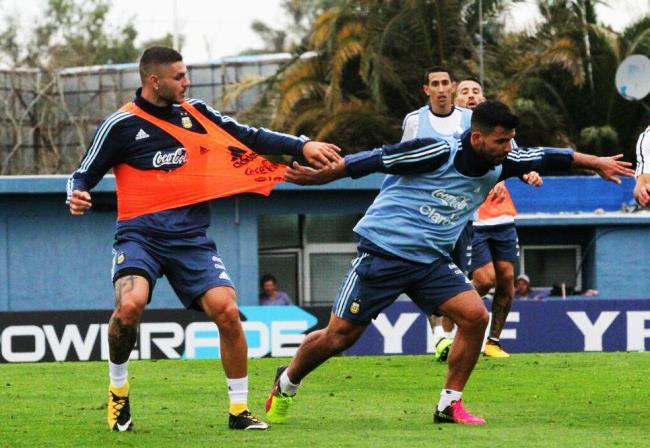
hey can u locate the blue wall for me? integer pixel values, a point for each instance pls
(51, 260)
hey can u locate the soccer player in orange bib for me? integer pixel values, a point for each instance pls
(171, 155)
(495, 245)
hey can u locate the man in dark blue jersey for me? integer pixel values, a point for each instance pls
(406, 237)
(172, 242)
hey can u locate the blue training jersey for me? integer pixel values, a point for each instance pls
(420, 217)
(437, 185)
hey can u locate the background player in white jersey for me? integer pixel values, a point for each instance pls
(642, 188)
(440, 118)
(495, 245)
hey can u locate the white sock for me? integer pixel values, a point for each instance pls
(286, 386)
(118, 373)
(438, 333)
(238, 390)
(447, 396)
(449, 334)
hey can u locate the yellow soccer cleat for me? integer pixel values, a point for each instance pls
(443, 346)
(119, 411)
(494, 350)
(278, 403)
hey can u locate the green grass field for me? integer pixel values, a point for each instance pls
(568, 400)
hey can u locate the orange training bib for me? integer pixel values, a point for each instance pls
(217, 165)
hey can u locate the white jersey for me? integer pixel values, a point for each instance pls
(444, 126)
(643, 153)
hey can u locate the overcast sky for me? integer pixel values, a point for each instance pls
(216, 28)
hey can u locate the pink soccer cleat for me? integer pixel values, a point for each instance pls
(456, 413)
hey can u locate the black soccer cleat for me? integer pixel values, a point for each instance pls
(246, 421)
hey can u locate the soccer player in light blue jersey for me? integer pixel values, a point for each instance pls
(406, 237)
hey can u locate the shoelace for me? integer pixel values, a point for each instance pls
(248, 415)
(118, 404)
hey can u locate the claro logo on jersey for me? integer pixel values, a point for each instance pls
(170, 159)
(456, 202)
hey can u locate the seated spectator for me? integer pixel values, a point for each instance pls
(523, 291)
(270, 294)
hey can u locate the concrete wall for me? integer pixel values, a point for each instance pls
(50, 260)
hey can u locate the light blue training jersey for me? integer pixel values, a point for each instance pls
(426, 130)
(419, 217)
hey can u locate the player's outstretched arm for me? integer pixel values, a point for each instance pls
(79, 202)
(305, 175)
(642, 190)
(320, 154)
(410, 157)
(609, 168)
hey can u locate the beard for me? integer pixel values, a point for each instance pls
(169, 96)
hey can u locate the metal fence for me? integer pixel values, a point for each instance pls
(47, 119)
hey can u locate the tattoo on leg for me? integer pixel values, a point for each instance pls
(121, 340)
(500, 309)
(121, 337)
(123, 285)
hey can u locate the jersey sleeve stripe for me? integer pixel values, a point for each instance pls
(419, 157)
(408, 117)
(393, 157)
(99, 139)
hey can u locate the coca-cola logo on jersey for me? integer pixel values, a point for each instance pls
(170, 159)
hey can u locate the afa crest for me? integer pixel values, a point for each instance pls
(355, 306)
(186, 122)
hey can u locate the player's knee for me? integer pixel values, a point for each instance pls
(227, 316)
(130, 309)
(476, 319)
(483, 283)
(506, 282)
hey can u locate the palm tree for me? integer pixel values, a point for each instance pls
(560, 78)
(360, 69)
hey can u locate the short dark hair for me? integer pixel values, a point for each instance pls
(268, 278)
(438, 69)
(473, 79)
(153, 56)
(491, 114)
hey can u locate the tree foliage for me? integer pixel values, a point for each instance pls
(360, 69)
(363, 61)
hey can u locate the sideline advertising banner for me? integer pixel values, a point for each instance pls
(547, 326)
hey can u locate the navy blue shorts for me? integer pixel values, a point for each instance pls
(494, 243)
(375, 281)
(191, 264)
(462, 253)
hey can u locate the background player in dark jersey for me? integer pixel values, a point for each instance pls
(172, 242)
(406, 237)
